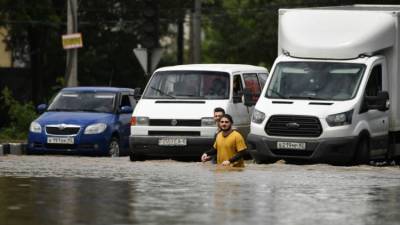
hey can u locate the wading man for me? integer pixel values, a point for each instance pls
(229, 145)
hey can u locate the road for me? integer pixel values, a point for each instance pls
(49, 190)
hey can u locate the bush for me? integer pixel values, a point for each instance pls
(20, 117)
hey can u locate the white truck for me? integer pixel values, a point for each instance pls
(327, 98)
(174, 117)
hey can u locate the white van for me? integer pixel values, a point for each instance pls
(174, 117)
(327, 98)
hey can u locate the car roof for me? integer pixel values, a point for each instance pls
(98, 88)
(230, 68)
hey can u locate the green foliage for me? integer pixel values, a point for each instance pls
(20, 114)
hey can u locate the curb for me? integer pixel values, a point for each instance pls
(13, 149)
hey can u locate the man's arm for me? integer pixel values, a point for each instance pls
(238, 156)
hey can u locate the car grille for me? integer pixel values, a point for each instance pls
(293, 126)
(62, 130)
(169, 122)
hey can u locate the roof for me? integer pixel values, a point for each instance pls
(105, 89)
(230, 68)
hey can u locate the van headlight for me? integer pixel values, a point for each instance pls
(340, 119)
(35, 127)
(96, 128)
(208, 122)
(257, 117)
(139, 121)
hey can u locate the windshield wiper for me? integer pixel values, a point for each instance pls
(306, 97)
(161, 92)
(60, 110)
(278, 93)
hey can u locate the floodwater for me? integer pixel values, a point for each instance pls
(49, 190)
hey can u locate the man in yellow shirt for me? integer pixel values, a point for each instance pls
(229, 145)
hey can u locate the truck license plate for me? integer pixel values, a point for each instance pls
(172, 141)
(291, 145)
(60, 140)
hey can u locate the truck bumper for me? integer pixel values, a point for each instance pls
(149, 146)
(328, 150)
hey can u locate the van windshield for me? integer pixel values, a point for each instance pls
(188, 85)
(83, 101)
(315, 80)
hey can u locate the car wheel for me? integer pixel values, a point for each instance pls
(362, 151)
(113, 148)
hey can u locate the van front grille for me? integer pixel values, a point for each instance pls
(293, 126)
(174, 133)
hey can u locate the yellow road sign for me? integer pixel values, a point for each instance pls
(70, 41)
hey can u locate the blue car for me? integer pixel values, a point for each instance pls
(94, 120)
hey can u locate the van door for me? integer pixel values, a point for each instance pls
(378, 120)
(237, 109)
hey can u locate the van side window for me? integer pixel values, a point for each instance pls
(262, 78)
(237, 86)
(251, 81)
(374, 84)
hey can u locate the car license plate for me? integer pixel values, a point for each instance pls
(291, 145)
(172, 141)
(60, 140)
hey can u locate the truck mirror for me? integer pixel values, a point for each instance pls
(41, 108)
(137, 93)
(379, 102)
(248, 97)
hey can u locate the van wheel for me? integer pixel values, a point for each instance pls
(113, 148)
(362, 151)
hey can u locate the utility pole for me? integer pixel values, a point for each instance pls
(196, 32)
(71, 74)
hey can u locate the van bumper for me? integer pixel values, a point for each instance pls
(149, 146)
(327, 150)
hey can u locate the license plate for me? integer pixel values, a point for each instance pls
(291, 145)
(172, 141)
(60, 140)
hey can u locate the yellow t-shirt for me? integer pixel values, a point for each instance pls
(229, 146)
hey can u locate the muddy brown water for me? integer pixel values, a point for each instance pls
(49, 190)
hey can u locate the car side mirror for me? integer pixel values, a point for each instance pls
(379, 102)
(41, 108)
(125, 109)
(137, 93)
(248, 97)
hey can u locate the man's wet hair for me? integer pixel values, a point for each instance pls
(219, 109)
(229, 117)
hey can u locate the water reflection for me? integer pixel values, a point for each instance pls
(63, 201)
(35, 191)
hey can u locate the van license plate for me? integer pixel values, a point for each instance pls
(172, 141)
(291, 145)
(60, 140)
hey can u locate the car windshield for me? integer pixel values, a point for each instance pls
(83, 101)
(315, 80)
(188, 85)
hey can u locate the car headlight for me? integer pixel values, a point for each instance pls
(208, 122)
(340, 119)
(35, 127)
(257, 117)
(139, 121)
(96, 128)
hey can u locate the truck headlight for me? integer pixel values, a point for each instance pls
(340, 119)
(257, 117)
(139, 121)
(208, 122)
(96, 128)
(35, 127)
